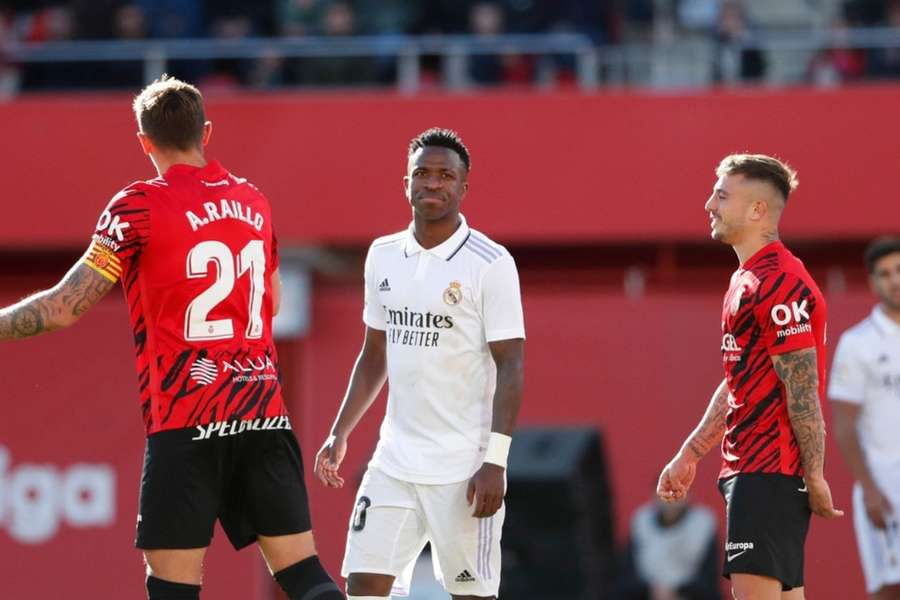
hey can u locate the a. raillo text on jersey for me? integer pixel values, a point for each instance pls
(225, 209)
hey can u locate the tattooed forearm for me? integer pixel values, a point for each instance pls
(799, 373)
(57, 307)
(708, 434)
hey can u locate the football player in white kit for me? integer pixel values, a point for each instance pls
(444, 326)
(865, 394)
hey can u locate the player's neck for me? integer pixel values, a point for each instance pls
(434, 233)
(165, 160)
(891, 313)
(753, 244)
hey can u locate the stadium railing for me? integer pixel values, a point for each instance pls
(681, 61)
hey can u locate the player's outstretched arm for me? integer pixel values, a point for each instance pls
(677, 476)
(488, 486)
(55, 308)
(366, 380)
(798, 371)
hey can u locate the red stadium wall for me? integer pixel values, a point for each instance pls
(546, 167)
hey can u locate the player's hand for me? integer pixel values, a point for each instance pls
(329, 459)
(676, 479)
(820, 498)
(663, 592)
(877, 505)
(486, 490)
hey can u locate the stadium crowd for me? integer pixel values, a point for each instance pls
(607, 23)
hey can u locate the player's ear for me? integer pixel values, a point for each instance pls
(207, 132)
(407, 183)
(146, 144)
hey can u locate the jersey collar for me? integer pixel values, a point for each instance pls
(446, 249)
(775, 246)
(885, 323)
(213, 171)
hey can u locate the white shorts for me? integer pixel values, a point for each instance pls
(394, 519)
(879, 549)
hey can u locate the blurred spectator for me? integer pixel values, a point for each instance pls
(55, 23)
(129, 23)
(9, 74)
(486, 20)
(174, 18)
(388, 17)
(864, 13)
(300, 17)
(885, 62)
(672, 554)
(834, 66)
(443, 16)
(733, 62)
(254, 18)
(337, 20)
(227, 74)
(94, 19)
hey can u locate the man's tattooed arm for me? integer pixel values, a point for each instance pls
(58, 307)
(708, 433)
(799, 373)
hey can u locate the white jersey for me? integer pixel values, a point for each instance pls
(439, 308)
(866, 371)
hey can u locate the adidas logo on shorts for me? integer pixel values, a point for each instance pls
(464, 577)
(384, 286)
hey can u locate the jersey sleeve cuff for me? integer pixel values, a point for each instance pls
(498, 335)
(373, 323)
(791, 347)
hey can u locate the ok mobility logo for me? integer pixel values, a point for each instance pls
(796, 313)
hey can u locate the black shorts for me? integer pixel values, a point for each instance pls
(767, 521)
(251, 481)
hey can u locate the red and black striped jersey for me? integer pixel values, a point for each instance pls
(772, 306)
(195, 252)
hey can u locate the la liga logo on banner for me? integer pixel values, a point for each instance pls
(36, 499)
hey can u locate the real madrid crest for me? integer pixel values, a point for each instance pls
(453, 294)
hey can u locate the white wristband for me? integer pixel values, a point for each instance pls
(498, 449)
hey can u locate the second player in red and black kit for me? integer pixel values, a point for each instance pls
(765, 415)
(772, 306)
(197, 258)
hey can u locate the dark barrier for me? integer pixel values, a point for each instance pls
(558, 538)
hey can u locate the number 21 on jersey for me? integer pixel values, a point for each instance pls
(252, 259)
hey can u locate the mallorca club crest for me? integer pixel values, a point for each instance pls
(453, 294)
(744, 283)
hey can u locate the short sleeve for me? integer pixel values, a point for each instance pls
(848, 372)
(122, 232)
(373, 311)
(502, 301)
(784, 310)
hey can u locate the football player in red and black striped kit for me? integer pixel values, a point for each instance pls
(197, 257)
(765, 414)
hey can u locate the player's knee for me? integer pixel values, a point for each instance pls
(366, 585)
(308, 580)
(159, 589)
